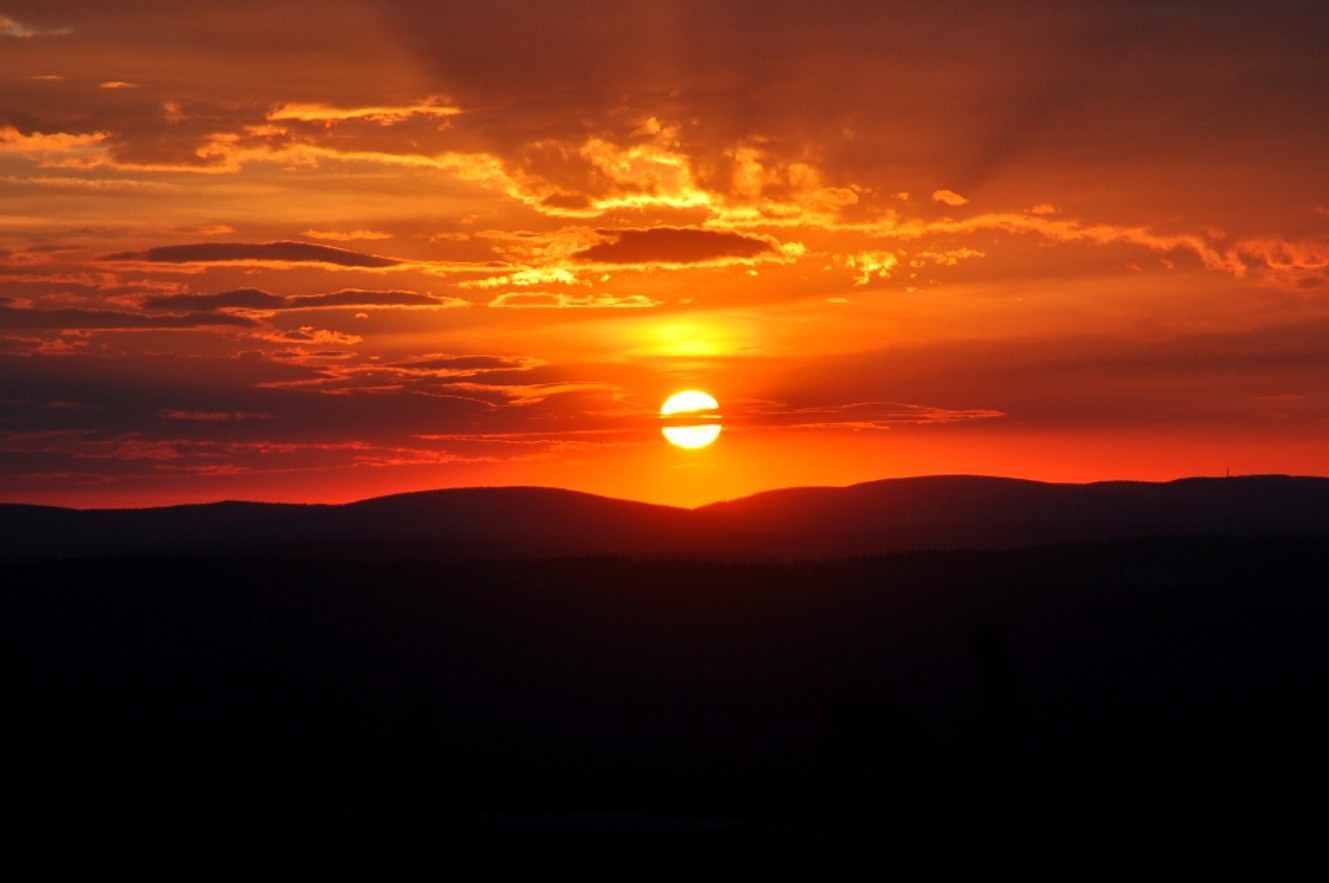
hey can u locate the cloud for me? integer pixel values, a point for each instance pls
(861, 415)
(109, 320)
(346, 236)
(534, 393)
(247, 252)
(442, 365)
(1064, 230)
(1300, 263)
(675, 245)
(573, 202)
(948, 197)
(94, 184)
(384, 115)
(11, 28)
(872, 265)
(257, 300)
(40, 143)
(355, 297)
(310, 334)
(239, 299)
(118, 84)
(542, 299)
(92, 445)
(947, 257)
(211, 416)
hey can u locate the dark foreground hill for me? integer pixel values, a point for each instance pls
(941, 512)
(1072, 705)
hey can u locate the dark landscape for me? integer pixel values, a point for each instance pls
(873, 668)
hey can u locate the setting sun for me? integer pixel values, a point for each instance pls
(691, 405)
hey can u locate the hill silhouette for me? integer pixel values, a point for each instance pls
(893, 515)
(890, 668)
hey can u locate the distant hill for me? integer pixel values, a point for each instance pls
(893, 515)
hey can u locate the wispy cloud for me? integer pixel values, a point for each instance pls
(444, 365)
(108, 320)
(385, 115)
(256, 300)
(856, 415)
(212, 416)
(91, 184)
(11, 28)
(345, 235)
(250, 252)
(547, 300)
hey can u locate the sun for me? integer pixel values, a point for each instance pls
(682, 413)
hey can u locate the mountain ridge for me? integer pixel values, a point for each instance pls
(886, 515)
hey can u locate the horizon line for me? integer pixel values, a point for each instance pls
(774, 490)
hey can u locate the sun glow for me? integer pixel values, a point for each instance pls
(690, 405)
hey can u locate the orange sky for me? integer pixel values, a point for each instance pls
(324, 251)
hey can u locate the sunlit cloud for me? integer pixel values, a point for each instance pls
(41, 145)
(946, 258)
(949, 197)
(385, 115)
(1302, 263)
(91, 184)
(308, 334)
(530, 276)
(1210, 252)
(11, 28)
(872, 265)
(547, 300)
(345, 236)
(856, 416)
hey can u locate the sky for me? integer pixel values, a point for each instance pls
(318, 252)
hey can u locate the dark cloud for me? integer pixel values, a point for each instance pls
(239, 299)
(354, 297)
(576, 201)
(285, 252)
(674, 245)
(466, 364)
(109, 320)
(255, 299)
